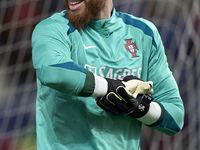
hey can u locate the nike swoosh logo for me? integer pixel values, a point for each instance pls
(88, 47)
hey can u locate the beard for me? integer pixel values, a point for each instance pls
(92, 9)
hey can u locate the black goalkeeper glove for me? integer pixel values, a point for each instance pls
(114, 84)
(123, 103)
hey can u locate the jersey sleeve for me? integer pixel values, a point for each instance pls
(166, 92)
(51, 54)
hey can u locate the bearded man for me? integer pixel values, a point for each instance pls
(101, 74)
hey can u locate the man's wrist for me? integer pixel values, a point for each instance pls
(101, 86)
(153, 114)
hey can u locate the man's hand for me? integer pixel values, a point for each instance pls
(104, 104)
(123, 103)
(128, 98)
(132, 83)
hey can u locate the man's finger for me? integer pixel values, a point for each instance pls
(117, 101)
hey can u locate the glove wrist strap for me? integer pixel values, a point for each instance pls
(113, 84)
(154, 116)
(143, 107)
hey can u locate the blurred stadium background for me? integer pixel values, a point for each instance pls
(178, 22)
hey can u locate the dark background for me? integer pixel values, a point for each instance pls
(178, 22)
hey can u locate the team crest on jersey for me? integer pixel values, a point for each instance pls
(131, 47)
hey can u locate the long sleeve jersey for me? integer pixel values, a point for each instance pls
(66, 61)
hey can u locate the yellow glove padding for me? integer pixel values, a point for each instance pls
(136, 86)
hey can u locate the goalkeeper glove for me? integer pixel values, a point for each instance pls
(123, 103)
(134, 84)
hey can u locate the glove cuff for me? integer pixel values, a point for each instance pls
(143, 107)
(113, 84)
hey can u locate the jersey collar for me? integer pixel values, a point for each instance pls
(105, 26)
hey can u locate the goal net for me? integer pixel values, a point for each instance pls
(178, 22)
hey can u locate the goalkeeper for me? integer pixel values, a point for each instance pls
(101, 74)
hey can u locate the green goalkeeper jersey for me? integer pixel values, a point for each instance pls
(67, 117)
